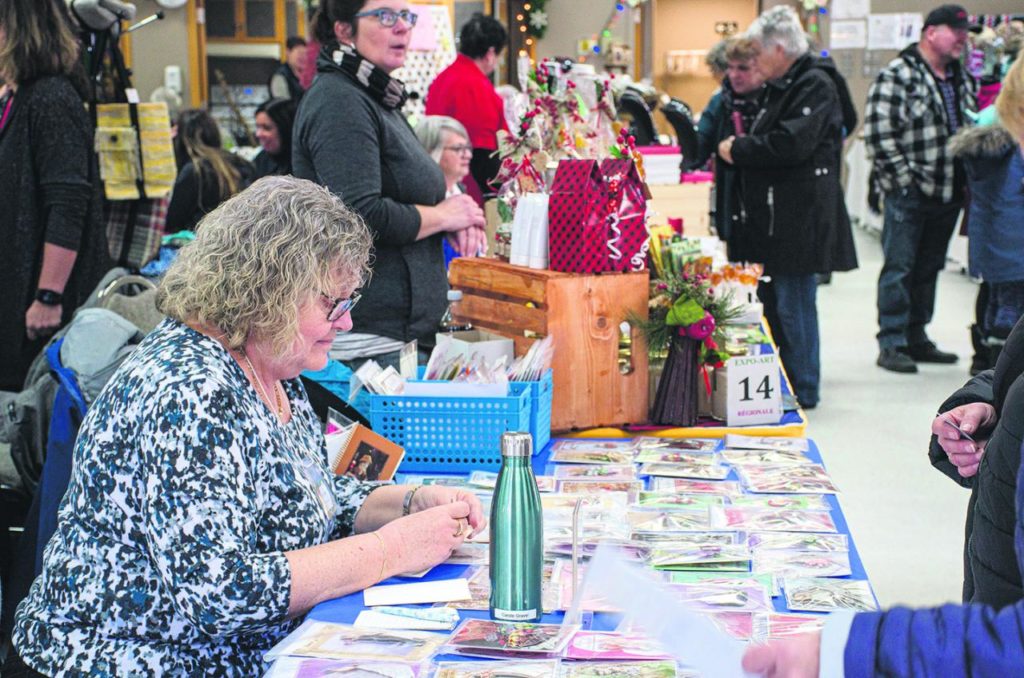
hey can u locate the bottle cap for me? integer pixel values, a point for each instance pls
(516, 444)
(454, 295)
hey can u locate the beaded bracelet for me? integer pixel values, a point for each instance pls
(407, 503)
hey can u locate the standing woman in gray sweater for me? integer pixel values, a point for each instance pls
(351, 136)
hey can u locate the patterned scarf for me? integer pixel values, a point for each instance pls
(390, 92)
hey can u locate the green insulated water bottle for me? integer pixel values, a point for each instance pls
(517, 535)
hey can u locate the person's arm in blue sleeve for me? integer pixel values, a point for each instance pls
(707, 132)
(952, 640)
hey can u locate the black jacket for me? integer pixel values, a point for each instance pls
(190, 202)
(789, 213)
(285, 72)
(715, 125)
(991, 573)
(846, 105)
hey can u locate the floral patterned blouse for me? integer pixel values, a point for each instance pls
(185, 493)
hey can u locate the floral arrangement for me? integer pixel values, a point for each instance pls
(685, 305)
(685, 328)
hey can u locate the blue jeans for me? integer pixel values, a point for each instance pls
(915, 237)
(790, 305)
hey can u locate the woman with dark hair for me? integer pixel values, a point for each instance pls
(352, 137)
(464, 91)
(54, 249)
(208, 174)
(274, 121)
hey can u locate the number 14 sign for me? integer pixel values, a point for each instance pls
(753, 395)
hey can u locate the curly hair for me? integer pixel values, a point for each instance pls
(1010, 103)
(716, 60)
(261, 255)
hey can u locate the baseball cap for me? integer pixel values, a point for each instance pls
(953, 16)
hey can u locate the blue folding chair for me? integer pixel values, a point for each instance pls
(41, 521)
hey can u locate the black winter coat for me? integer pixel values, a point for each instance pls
(991, 572)
(790, 214)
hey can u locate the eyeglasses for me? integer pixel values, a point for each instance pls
(389, 17)
(341, 305)
(461, 149)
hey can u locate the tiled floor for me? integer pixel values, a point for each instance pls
(873, 427)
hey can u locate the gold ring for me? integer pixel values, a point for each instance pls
(462, 527)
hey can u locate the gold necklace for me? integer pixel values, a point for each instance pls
(263, 389)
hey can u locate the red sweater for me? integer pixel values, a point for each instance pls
(463, 92)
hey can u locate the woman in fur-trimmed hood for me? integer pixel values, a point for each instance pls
(995, 171)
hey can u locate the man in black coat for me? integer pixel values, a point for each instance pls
(789, 201)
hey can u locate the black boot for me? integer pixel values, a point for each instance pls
(981, 360)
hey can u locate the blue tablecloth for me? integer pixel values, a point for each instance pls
(347, 608)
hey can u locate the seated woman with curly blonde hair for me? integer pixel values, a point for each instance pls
(201, 518)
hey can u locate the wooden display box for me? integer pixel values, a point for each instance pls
(583, 314)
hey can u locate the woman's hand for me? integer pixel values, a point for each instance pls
(42, 320)
(971, 419)
(425, 538)
(460, 212)
(469, 242)
(725, 149)
(429, 496)
(796, 657)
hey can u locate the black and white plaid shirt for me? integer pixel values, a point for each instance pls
(906, 128)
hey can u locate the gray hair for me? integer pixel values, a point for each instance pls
(430, 131)
(716, 59)
(261, 255)
(780, 26)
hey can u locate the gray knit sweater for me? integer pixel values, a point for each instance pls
(369, 156)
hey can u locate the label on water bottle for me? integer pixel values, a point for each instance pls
(515, 615)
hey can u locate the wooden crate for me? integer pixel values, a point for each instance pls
(691, 202)
(582, 313)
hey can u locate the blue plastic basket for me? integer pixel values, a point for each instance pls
(450, 435)
(540, 410)
(456, 435)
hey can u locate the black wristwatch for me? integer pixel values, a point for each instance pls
(49, 297)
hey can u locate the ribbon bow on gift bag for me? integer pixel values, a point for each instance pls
(596, 217)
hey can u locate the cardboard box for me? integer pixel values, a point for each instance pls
(691, 202)
(582, 313)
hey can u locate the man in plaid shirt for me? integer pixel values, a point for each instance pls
(915, 106)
